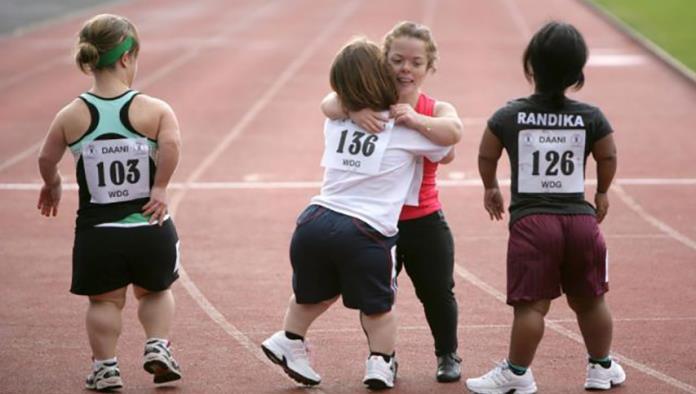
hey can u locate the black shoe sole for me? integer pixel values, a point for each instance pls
(292, 374)
(448, 379)
(162, 373)
(376, 384)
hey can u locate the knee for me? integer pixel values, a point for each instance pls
(582, 305)
(540, 307)
(118, 302)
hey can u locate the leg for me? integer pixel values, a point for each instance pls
(426, 249)
(381, 365)
(299, 317)
(595, 324)
(527, 331)
(291, 353)
(380, 330)
(103, 322)
(155, 311)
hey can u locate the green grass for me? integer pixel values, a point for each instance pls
(671, 24)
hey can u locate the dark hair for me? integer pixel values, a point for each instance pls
(362, 78)
(554, 60)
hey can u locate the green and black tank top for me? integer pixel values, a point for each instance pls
(115, 165)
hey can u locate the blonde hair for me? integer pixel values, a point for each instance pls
(417, 31)
(99, 35)
(362, 78)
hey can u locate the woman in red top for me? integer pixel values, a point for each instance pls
(425, 246)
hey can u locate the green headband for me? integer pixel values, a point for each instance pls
(111, 56)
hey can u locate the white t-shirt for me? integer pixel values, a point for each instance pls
(371, 176)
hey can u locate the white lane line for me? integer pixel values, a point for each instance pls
(615, 60)
(662, 226)
(220, 320)
(557, 327)
(21, 156)
(517, 17)
(429, 9)
(255, 185)
(236, 131)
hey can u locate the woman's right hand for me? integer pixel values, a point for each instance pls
(49, 198)
(369, 120)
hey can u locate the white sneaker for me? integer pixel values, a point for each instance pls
(158, 360)
(501, 380)
(600, 378)
(293, 356)
(380, 374)
(106, 377)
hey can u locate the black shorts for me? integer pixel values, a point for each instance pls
(334, 254)
(109, 258)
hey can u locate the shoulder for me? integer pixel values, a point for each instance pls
(151, 104)
(74, 118)
(443, 108)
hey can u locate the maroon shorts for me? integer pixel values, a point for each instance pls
(550, 253)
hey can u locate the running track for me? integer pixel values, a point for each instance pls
(246, 78)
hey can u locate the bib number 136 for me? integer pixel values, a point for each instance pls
(551, 161)
(117, 170)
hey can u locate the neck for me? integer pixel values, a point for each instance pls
(411, 98)
(109, 84)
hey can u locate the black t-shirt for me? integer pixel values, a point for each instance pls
(548, 147)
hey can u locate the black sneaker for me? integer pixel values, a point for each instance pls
(448, 369)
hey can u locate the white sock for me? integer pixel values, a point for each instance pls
(163, 341)
(96, 364)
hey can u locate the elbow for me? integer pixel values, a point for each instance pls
(457, 130)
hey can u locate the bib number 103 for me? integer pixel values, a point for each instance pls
(119, 173)
(117, 170)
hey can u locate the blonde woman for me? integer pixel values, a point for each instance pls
(126, 147)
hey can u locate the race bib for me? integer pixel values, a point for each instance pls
(551, 161)
(117, 170)
(349, 148)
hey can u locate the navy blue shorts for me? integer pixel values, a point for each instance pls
(109, 258)
(334, 254)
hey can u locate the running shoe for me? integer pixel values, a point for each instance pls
(158, 360)
(293, 356)
(600, 378)
(501, 380)
(380, 374)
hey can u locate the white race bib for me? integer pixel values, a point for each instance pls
(347, 147)
(551, 161)
(117, 170)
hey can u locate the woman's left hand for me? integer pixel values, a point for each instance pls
(156, 208)
(406, 116)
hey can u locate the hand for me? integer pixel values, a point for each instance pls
(49, 198)
(493, 202)
(369, 120)
(406, 116)
(602, 205)
(156, 208)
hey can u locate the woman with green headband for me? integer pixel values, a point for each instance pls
(126, 147)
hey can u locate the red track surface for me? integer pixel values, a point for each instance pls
(245, 79)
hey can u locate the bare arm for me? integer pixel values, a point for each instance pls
(332, 108)
(444, 128)
(169, 147)
(490, 151)
(50, 154)
(604, 152)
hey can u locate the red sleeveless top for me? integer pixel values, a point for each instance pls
(428, 201)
